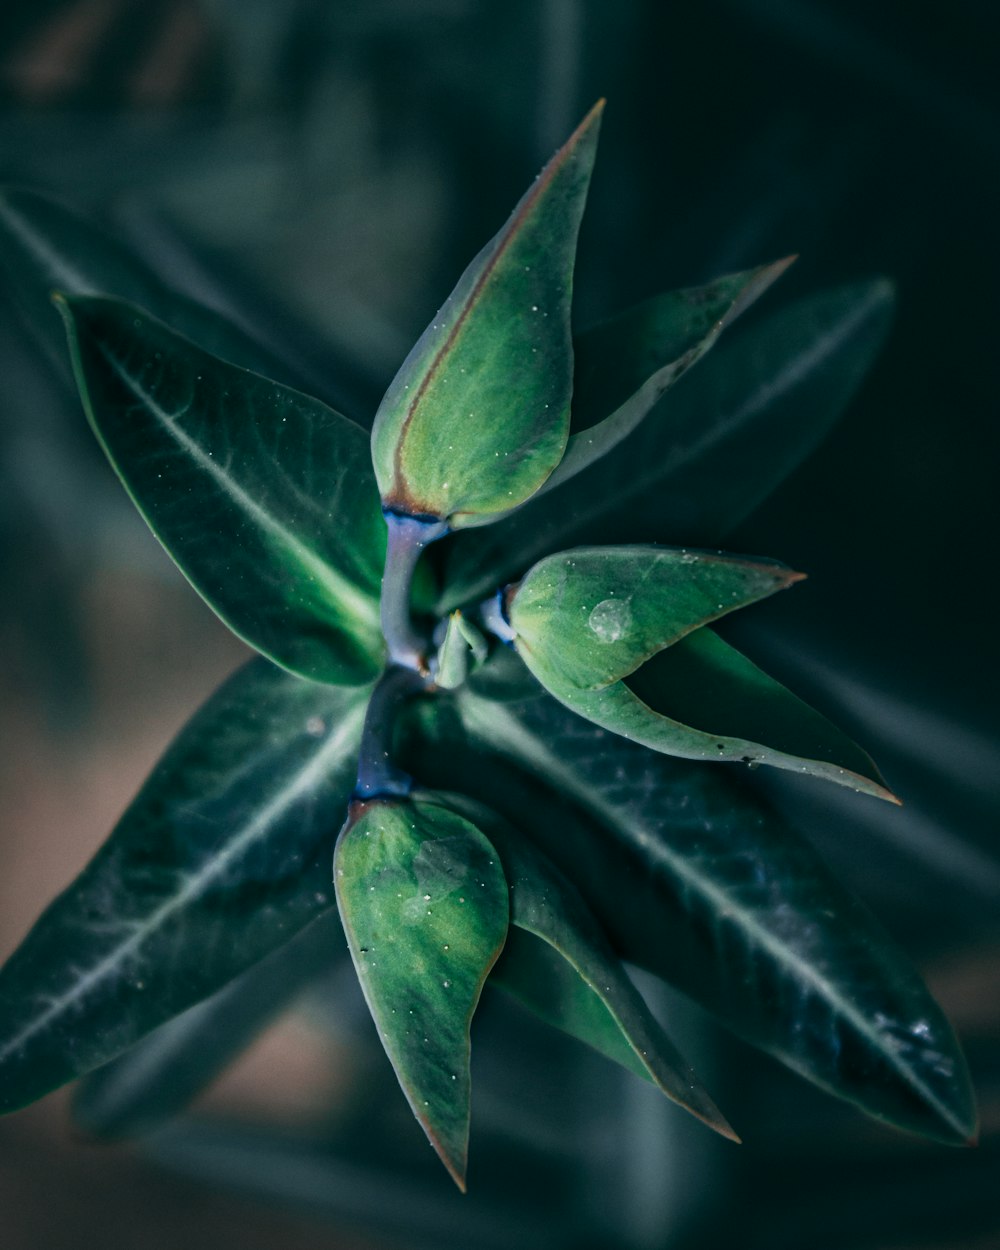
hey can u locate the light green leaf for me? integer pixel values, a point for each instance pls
(424, 904)
(587, 617)
(263, 496)
(478, 415)
(624, 366)
(694, 877)
(720, 443)
(222, 857)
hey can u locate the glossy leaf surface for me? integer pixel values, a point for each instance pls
(280, 482)
(693, 877)
(424, 904)
(478, 415)
(587, 617)
(624, 366)
(720, 444)
(162, 1074)
(558, 962)
(221, 858)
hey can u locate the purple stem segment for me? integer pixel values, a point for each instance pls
(378, 776)
(408, 536)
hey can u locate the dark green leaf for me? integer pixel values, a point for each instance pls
(625, 365)
(504, 676)
(161, 1074)
(724, 439)
(478, 415)
(558, 962)
(263, 496)
(44, 248)
(587, 617)
(221, 858)
(424, 905)
(695, 878)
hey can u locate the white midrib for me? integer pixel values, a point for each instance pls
(304, 780)
(340, 589)
(499, 728)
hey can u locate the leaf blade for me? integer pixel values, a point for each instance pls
(195, 441)
(587, 617)
(158, 1077)
(423, 949)
(489, 381)
(724, 901)
(625, 366)
(584, 990)
(44, 247)
(229, 836)
(724, 440)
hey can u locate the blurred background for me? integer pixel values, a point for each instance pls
(323, 170)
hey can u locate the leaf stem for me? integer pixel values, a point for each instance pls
(377, 774)
(493, 615)
(408, 536)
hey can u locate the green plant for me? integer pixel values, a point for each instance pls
(440, 608)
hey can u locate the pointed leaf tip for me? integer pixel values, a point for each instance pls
(424, 905)
(587, 617)
(191, 436)
(478, 415)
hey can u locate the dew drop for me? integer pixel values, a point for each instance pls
(610, 620)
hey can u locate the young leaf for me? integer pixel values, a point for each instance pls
(722, 442)
(623, 367)
(558, 962)
(587, 617)
(478, 415)
(221, 858)
(693, 877)
(263, 496)
(165, 1071)
(424, 904)
(463, 649)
